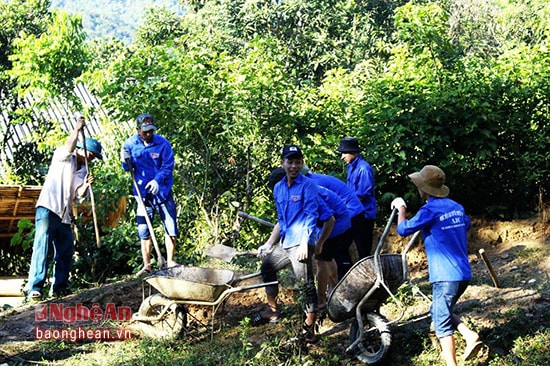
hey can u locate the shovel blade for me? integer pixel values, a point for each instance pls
(221, 252)
(224, 252)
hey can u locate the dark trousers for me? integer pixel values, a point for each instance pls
(362, 234)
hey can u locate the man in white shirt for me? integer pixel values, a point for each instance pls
(67, 180)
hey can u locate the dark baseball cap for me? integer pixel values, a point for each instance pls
(275, 177)
(292, 151)
(146, 122)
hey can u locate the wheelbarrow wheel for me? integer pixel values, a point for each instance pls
(171, 324)
(375, 343)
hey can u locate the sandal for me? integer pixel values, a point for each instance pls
(260, 319)
(34, 295)
(144, 271)
(309, 333)
(472, 350)
(172, 264)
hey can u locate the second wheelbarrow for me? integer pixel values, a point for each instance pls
(361, 292)
(167, 312)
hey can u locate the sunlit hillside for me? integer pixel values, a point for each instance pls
(113, 18)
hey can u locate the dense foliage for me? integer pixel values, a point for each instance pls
(446, 82)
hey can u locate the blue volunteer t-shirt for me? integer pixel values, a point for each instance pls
(360, 179)
(339, 211)
(444, 226)
(354, 206)
(297, 210)
(154, 161)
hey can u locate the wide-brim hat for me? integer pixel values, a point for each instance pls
(430, 179)
(349, 145)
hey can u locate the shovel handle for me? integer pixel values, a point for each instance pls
(91, 192)
(162, 262)
(248, 252)
(489, 267)
(256, 219)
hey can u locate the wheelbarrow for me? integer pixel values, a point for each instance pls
(166, 314)
(360, 294)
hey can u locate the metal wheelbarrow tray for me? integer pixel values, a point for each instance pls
(360, 294)
(165, 314)
(191, 283)
(357, 282)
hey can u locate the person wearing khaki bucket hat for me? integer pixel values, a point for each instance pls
(430, 180)
(444, 225)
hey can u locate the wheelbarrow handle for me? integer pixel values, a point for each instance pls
(385, 232)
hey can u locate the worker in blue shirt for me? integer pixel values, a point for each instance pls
(353, 205)
(152, 159)
(335, 235)
(293, 239)
(335, 247)
(360, 178)
(444, 226)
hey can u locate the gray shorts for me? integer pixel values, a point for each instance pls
(280, 258)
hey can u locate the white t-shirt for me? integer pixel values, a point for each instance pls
(61, 184)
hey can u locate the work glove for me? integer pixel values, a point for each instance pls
(152, 187)
(264, 250)
(397, 203)
(125, 154)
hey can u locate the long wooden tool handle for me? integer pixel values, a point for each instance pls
(141, 203)
(92, 200)
(489, 267)
(254, 218)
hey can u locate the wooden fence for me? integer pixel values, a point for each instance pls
(13, 135)
(18, 202)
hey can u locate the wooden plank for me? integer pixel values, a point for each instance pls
(11, 286)
(4, 200)
(16, 202)
(9, 218)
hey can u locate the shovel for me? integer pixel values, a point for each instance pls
(90, 191)
(226, 253)
(256, 219)
(140, 202)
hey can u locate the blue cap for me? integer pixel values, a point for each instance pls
(93, 146)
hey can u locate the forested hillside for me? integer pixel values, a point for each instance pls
(113, 18)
